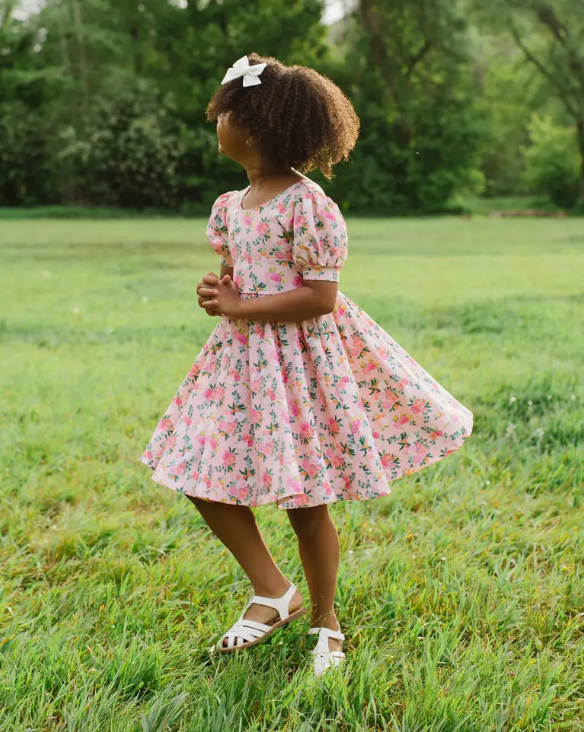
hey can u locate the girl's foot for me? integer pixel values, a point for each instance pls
(328, 652)
(261, 617)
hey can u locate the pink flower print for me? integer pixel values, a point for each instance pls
(171, 444)
(306, 431)
(327, 488)
(207, 481)
(242, 338)
(228, 459)
(238, 279)
(267, 480)
(235, 374)
(338, 461)
(330, 452)
(390, 400)
(301, 500)
(181, 467)
(281, 255)
(293, 485)
(212, 364)
(418, 406)
(435, 434)
(213, 443)
(195, 474)
(355, 426)
(329, 214)
(240, 490)
(297, 281)
(260, 332)
(281, 207)
(247, 220)
(195, 368)
(188, 421)
(209, 394)
(370, 366)
(299, 221)
(148, 455)
(340, 310)
(272, 394)
(376, 435)
(247, 258)
(220, 393)
(201, 440)
(402, 384)
(262, 228)
(295, 409)
(275, 277)
(165, 424)
(311, 465)
(418, 453)
(178, 401)
(256, 385)
(269, 446)
(256, 415)
(387, 460)
(247, 438)
(333, 426)
(356, 346)
(400, 419)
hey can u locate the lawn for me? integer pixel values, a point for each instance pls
(461, 594)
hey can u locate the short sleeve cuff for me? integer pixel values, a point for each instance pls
(327, 274)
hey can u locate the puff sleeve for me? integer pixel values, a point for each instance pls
(320, 243)
(217, 228)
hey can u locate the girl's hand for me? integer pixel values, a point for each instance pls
(207, 289)
(226, 302)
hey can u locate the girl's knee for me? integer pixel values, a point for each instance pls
(307, 522)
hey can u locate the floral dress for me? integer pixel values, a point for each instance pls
(298, 413)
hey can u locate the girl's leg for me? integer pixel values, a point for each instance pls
(236, 528)
(318, 543)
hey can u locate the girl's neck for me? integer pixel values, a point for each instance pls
(261, 175)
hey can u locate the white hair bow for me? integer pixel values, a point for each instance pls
(242, 68)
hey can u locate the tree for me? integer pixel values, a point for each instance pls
(550, 35)
(406, 68)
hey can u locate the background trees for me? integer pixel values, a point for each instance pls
(102, 101)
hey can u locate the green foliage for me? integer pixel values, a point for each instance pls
(552, 162)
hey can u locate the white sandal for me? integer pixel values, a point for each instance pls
(245, 633)
(323, 658)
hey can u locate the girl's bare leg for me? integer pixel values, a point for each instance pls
(318, 543)
(236, 528)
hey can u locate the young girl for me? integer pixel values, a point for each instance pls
(298, 397)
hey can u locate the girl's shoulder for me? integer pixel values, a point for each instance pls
(225, 199)
(310, 194)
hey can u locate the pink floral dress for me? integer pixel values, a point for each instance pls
(304, 413)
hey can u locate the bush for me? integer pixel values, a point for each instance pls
(552, 162)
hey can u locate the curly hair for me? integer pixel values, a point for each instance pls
(298, 117)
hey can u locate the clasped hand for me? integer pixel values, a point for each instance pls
(218, 296)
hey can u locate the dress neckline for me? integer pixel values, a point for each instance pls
(274, 198)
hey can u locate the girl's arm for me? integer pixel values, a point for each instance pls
(314, 298)
(226, 270)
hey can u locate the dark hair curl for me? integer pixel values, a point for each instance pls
(298, 117)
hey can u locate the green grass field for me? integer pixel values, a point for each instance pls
(461, 594)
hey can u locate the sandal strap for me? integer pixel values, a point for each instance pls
(243, 631)
(281, 604)
(326, 633)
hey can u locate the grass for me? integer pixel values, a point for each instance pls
(461, 594)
